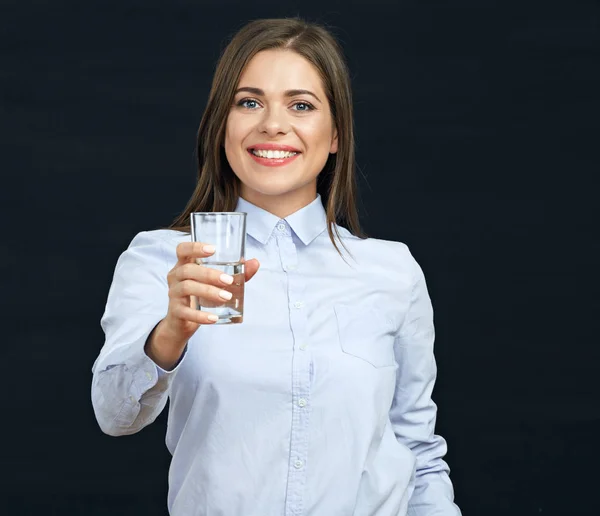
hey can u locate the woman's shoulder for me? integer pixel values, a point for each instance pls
(155, 246)
(390, 254)
(372, 244)
(168, 237)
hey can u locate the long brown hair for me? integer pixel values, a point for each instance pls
(218, 187)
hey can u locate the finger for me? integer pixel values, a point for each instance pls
(250, 268)
(187, 251)
(214, 295)
(197, 272)
(192, 315)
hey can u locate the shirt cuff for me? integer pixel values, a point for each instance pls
(131, 354)
(164, 373)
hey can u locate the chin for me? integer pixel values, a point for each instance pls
(276, 188)
(271, 190)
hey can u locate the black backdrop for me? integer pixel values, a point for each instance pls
(477, 126)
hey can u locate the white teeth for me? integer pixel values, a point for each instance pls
(273, 154)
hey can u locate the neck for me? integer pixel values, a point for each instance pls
(279, 205)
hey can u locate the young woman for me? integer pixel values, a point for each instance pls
(319, 403)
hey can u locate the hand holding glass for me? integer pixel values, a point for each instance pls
(227, 232)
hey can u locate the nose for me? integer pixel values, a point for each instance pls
(274, 122)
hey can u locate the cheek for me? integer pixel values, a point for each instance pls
(319, 131)
(236, 128)
(233, 138)
(230, 147)
(229, 131)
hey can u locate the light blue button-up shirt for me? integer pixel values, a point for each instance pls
(318, 404)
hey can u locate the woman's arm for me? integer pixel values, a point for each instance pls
(129, 390)
(413, 413)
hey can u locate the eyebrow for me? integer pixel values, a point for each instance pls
(288, 93)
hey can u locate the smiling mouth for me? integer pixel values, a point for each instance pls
(273, 158)
(273, 154)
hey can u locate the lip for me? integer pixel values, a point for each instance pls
(273, 146)
(272, 162)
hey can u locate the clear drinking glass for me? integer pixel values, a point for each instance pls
(227, 232)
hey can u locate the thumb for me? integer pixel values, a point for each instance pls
(250, 268)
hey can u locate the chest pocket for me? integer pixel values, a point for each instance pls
(366, 334)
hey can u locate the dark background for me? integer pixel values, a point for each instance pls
(478, 130)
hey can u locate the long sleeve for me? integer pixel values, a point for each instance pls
(129, 390)
(413, 412)
(311, 405)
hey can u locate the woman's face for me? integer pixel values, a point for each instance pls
(279, 131)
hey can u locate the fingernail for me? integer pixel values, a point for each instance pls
(225, 295)
(226, 278)
(213, 318)
(208, 248)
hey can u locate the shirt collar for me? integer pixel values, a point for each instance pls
(307, 222)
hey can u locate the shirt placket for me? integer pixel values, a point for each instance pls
(301, 371)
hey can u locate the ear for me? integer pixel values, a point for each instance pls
(334, 142)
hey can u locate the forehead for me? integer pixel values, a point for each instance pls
(279, 70)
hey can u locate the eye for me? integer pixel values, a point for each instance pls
(303, 106)
(248, 103)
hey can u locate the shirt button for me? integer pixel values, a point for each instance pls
(302, 402)
(298, 304)
(281, 227)
(298, 464)
(291, 268)
(148, 375)
(302, 346)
